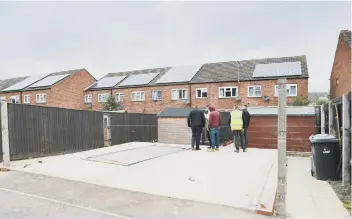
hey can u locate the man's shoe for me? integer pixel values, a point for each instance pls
(209, 147)
(244, 150)
(237, 151)
(192, 149)
(210, 150)
(217, 149)
(198, 149)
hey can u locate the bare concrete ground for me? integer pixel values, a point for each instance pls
(32, 196)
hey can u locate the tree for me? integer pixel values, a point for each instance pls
(111, 105)
(321, 102)
(299, 102)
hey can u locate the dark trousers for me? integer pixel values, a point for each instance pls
(238, 137)
(245, 135)
(208, 136)
(196, 133)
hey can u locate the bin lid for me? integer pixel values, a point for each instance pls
(323, 138)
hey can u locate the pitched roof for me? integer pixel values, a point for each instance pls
(216, 72)
(346, 34)
(5, 83)
(228, 71)
(314, 96)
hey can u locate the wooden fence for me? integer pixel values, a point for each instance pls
(36, 131)
(129, 127)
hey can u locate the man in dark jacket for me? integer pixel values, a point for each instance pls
(196, 121)
(246, 120)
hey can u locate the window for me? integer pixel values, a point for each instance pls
(119, 97)
(201, 92)
(2, 99)
(102, 97)
(156, 95)
(228, 92)
(88, 98)
(177, 94)
(41, 98)
(27, 98)
(255, 91)
(15, 99)
(138, 96)
(291, 90)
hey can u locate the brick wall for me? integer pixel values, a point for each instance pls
(64, 94)
(150, 106)
(268, 89)
(174, 131)
(341, 80)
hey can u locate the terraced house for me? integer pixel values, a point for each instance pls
(60, 89)
(224, 84)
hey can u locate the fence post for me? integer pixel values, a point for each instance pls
(322, 119)
(330, 118)
(282, 160)
(346, 140)
(5, 134)
(107, 127)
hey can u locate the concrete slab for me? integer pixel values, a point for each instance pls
(308, 198)
(135, 155)
(223, 177)
(32, 196)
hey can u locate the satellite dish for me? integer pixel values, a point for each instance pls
(238, 98)
(266, 98)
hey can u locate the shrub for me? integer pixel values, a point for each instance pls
(299, 102)
(111, 104)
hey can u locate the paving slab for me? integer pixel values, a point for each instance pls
(223, 178)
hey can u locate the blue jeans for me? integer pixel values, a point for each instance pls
(238, 136)
(215, 137)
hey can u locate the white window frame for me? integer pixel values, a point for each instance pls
(230, 87)
(3, 98)
(255, 87)
(40, 98)
(103, 97)
(288, 86)
(183, 94)
(119, 97)
(88, 98)
(157, 97)
(141, 95)
(16, 98)
(27, 98)
(202, 90)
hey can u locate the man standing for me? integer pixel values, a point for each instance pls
(236, 124)
(246, 120)
(196, 121)
(206, 115)
(214, 125)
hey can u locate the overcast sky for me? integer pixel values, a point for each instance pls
(103, 37)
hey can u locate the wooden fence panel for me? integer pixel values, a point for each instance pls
(0, 140)
(129, 127)
(36, 131)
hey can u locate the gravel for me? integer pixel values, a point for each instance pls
(342, 191)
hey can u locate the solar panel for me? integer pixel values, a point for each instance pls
(139, 79)
(109, 81)
(179, 74)
(277, 69)
(48, 81)
(25, 83)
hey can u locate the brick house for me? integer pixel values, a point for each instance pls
(60, 89)
(341, 78)
(224, 84)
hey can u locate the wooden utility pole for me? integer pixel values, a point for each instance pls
(282, 160)
(5, 135)
(322, 119)
(330, 118)
(346, 139)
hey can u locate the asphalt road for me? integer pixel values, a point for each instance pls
(31, 196)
